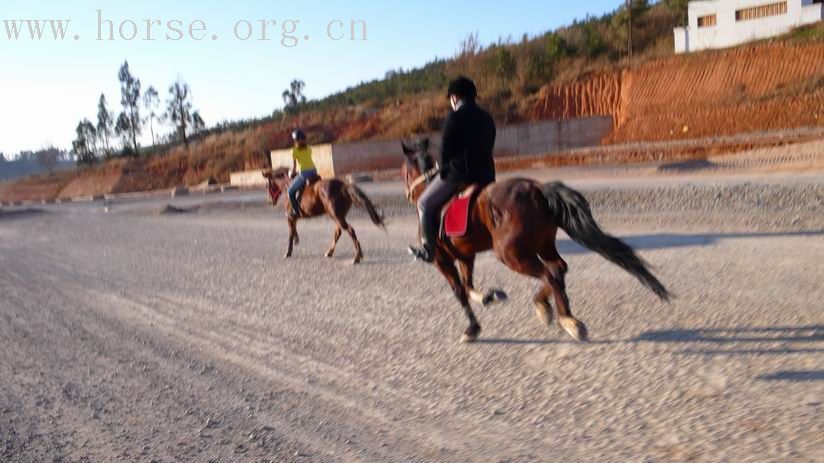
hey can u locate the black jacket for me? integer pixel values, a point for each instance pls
(467, 144)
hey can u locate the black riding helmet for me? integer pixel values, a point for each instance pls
(463, 88)
(298, 135)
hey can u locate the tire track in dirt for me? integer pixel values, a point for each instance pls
(338, 388)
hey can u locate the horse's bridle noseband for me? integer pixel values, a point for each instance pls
(426, 177)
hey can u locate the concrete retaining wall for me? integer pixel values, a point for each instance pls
(248, 178)
(528, 139)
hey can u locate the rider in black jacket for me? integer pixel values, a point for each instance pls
(466, 158)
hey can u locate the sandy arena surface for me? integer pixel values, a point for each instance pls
(134, 335)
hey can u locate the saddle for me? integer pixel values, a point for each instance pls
(311, 180)
(456, 213)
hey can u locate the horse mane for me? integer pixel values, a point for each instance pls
(280, 171)
(422, 159)
(279, 177)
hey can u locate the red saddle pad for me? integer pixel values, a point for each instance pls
(456, 220)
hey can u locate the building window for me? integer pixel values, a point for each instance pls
(763, 11)
(706, 21)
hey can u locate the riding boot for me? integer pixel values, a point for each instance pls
(295, 201)
(429, 239)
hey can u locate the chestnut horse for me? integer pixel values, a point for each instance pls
(332, 197)
(518, 220)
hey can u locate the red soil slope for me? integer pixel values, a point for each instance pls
(747, 89)
(718, 93)
(598, 95)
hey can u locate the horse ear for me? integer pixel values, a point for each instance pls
(407, 151)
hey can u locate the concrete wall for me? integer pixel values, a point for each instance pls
(247, 179)
(527, 139)
(366, 156)
(547, 136)
(728, 32)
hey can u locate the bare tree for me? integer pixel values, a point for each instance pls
(179, 109)
(47, 158)
(470, 46)
(293, 98)
(198, 124)
(105, 124)
(151, 101)
(83, 147)
(629, 29)
(129, 120)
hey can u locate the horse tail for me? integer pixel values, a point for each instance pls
(360, 199)
(572, 213)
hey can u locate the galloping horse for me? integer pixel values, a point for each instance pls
(518, 219)
(332, 197)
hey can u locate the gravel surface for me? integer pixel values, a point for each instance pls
(164, 334)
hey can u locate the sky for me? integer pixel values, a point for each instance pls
(48, 85)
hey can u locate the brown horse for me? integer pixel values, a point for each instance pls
(518, 220)
(332, 197)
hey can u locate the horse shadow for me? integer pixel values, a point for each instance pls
(714, 337)
(704, 336)
(718, 337)
(794, 376)
(811, 333)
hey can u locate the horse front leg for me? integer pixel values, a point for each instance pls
(466, 268)
(447, 268)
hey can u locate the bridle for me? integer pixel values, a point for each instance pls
(426, 177)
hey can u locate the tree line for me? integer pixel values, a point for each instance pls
(47, 157)
(96, 141)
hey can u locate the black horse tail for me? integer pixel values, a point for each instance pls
(572, 213)
(360, 199)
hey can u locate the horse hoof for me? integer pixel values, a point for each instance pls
(495, 295)
(468, 339)
(287, 255)
(544, 313)
(575, 328)
(471, 335)
(329, 254)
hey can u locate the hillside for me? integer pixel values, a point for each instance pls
(656, 96)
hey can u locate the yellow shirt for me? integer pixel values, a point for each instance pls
(304, 158)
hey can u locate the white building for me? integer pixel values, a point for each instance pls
(725, 23)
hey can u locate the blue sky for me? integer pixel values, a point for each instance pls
(48, 85)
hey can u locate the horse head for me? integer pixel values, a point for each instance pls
(418, 169)
(277, 182)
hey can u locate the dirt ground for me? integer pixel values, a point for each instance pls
(136, 335)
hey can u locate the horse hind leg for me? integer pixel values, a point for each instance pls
(553, 278)
(293, 237)
(335, 238)
(466, 269)
(351, 231)
(543, 310)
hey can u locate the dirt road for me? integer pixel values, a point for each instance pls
(138, 336)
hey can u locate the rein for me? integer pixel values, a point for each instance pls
(426, 177)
